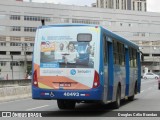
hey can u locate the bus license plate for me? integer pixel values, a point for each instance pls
(64, 84)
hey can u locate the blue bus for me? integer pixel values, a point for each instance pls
(75, 63)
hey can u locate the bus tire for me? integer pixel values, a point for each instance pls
(117, 103)
(131, 98)
(70, 104)
(66, 104)
(61, 104)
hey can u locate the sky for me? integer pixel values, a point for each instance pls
(152, 5)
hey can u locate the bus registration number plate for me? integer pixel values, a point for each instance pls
(64, 84)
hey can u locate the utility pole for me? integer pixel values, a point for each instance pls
(12, 66)
(24, 48)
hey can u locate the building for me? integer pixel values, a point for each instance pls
(19, 20)
(137, 5)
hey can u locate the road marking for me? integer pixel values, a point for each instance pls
(15, 101)
(37, 107)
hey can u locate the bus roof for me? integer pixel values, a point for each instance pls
(109, 33)
(67, 25)
(121, 39)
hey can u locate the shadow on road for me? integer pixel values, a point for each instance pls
(88, 110)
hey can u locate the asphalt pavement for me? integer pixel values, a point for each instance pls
(147, 100)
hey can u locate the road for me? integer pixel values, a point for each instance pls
(147, 100)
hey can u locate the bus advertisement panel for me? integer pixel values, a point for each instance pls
(66, 60)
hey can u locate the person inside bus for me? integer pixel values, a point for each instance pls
(59, 51)
(61, 46)
(72, 54)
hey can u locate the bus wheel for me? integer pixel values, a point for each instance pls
(70, 104)
(116, 104)
(61, 104)
(66, 104)
(131, 98)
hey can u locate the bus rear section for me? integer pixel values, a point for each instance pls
(66, 65)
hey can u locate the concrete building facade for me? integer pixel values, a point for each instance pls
(19, 20)
(137, 5)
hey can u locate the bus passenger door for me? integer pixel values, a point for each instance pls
(127, 70)
(105, 62)
(108, 68)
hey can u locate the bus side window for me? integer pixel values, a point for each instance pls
(115, 49)
(132, 55)
(135, 57)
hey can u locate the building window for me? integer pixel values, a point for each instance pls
(15, 44)
(146, 55)
(31, 44)
(15, 63)
(65, 20)
(30, 29)
(2, 38)
(29, 39)
(2, 52)
(36, 18)
(146, 43)
(15, 53)
(85, 21)
(122, 4)
(125, 4)
(133, 5)
(29, 53)
(145, 7)
(15, 28)
(117, 4)
(155, 42)
(136, 34)
(13, 38)
(15, 17)
(2, 63)
(140, 6)
(143, 34)
(2, 44)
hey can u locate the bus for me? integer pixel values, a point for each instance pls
(74, 63)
